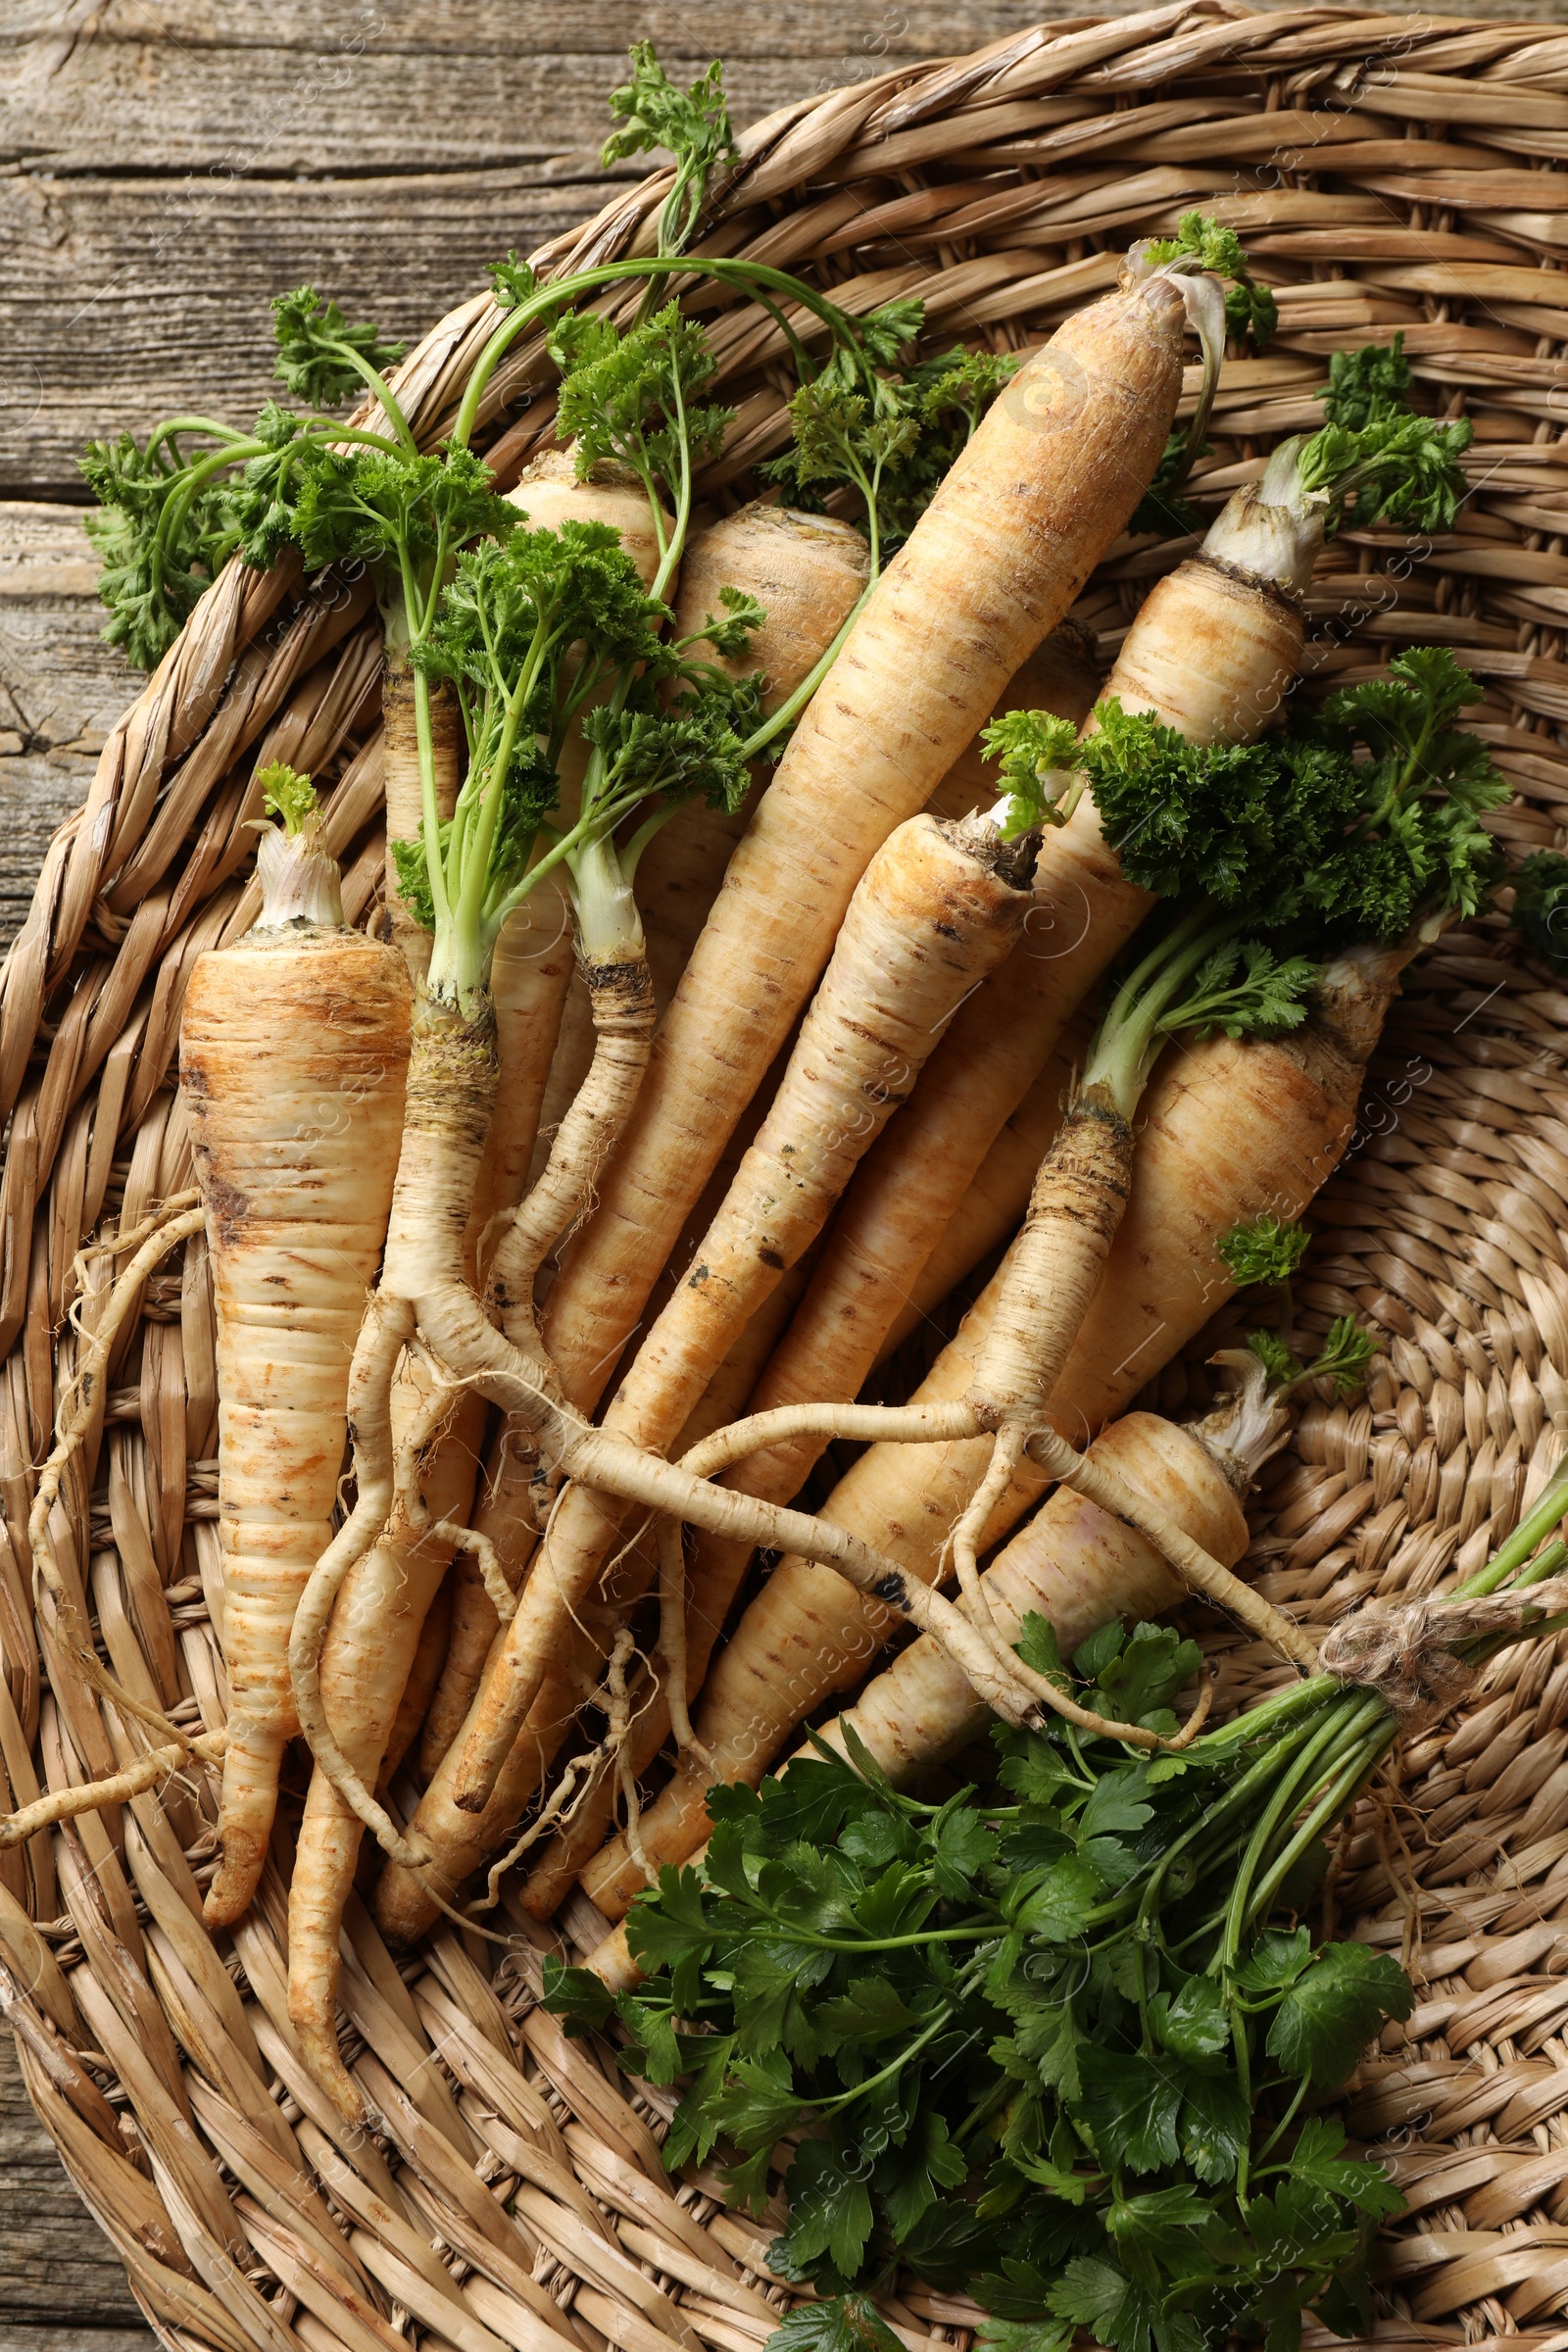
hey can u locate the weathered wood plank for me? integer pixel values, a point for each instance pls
(60, 2282)
(174, 169)
(413, 85)
(131, 301)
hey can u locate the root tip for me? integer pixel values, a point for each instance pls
(320, 2051)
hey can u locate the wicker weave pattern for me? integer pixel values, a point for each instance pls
(1391, 171)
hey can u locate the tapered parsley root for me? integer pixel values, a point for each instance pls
(293, 1048)
(532, 968)
(806, 571)
(1219, 639)
(1231, 1129)
(987, 570)
(938, 908)
(1079, 1568)
(1014, 530)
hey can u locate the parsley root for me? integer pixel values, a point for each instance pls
(1234, 1128)
(293, 1048)
(1050, 477)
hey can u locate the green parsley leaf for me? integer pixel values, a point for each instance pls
(836, 2323)
(1366, 383)
(693, 126)
(511, 281)
(577, 1995)
(1193, 2023)
(285, 793)
(314, 341)
(1318, 2159)
(1216, 2125)
(830, 2210)
(1038, 756)
(1131, 2103)
(1267, 1250)
(1333, 2009)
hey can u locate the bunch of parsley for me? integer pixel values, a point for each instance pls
(1359, 822)
(1044, 2039)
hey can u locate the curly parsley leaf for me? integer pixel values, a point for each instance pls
(1037, 754)
(1251, 310)
(633, 397)
(1267, 1250)
(1364, 384)
(161, 538)
(285, 793)
(314, 344)
(511, 281)
(1361, 821)
(692, 125)
(1541, 905)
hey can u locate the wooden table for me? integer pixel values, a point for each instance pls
(166, 166)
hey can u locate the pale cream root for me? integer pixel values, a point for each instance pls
(404, 789)
(1232, 1129)
(550, 1877)
(293, 1049)
(1212, 651)
(1054, 1268)
(936, 911)
(806, 571)
(992, 566)
(530, 972)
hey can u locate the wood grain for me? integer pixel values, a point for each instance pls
(62, 2285)
(172, 166)
(61, 688)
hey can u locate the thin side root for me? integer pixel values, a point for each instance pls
(152, 1241)
(970, 1534)
(92, 1796)
(619, 1726)
(587, 1769)
(492, 1576)
(673, 1640)
(1197, 1568)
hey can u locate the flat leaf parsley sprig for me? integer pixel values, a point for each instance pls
(1042, 2039)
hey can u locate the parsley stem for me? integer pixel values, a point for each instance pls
(748, 277)
(894, 2066)
(381, 392)
(793, 704)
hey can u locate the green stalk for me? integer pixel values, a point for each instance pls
(1145, 1008)
(748, 276)
(1532, 1530)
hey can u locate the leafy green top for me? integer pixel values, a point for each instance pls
(1037, 756)
(693, 125)
(1356, 824)
(321, 357)
(285, 793)
(168, 521)
(1251, 310)
(1042, 2045)
(1374, 451)
(1346, 1350)
(1267, 1250)
(536, 632)
(1366, 384)
(633, 398)
(889, 425)
(1541, 905)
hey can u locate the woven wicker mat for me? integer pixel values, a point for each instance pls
(1388, 171)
